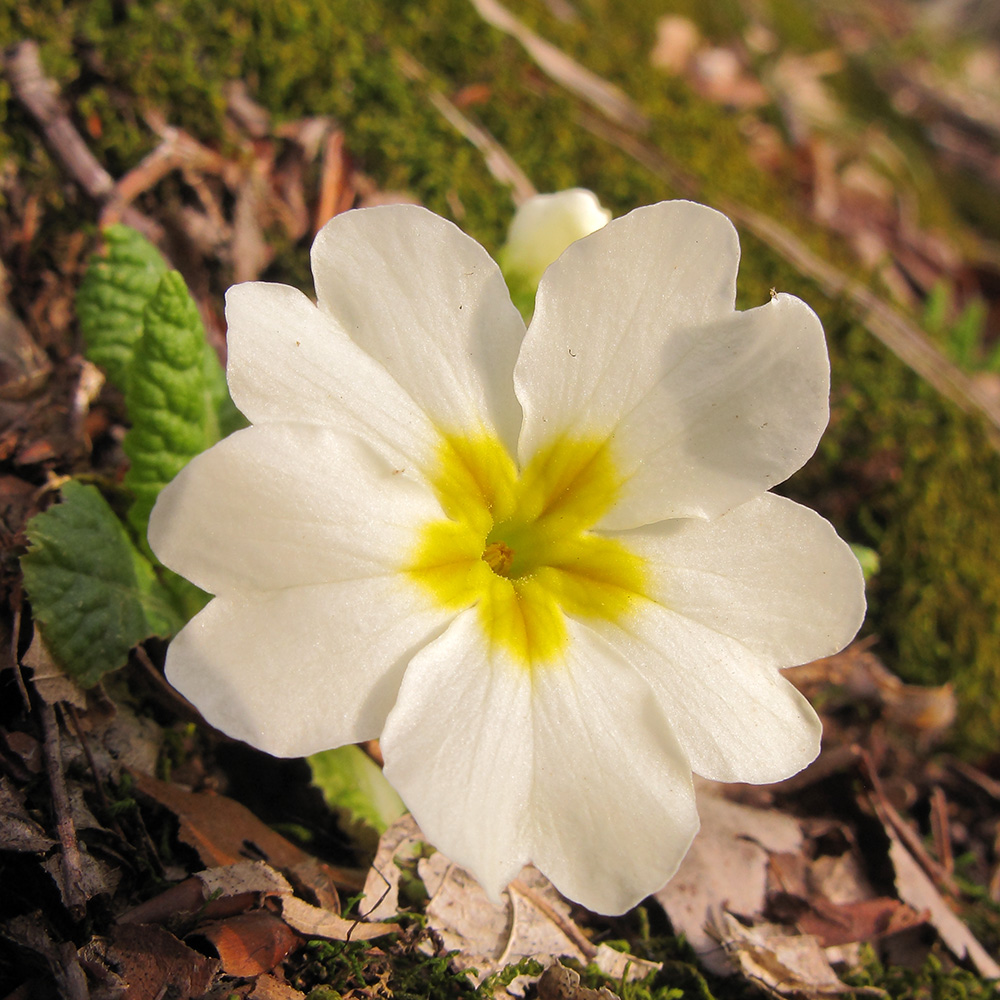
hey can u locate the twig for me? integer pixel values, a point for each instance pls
(889, 815)
(98, 783)
(180, 702)
(72, 865)
(604, 96)
(39, 95)
(972, 774)
(503, 958)
(176, 151)
(498, 161)
(15, 633)
(335, 191)
(942, 831)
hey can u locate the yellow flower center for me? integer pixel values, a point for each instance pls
(519, 547)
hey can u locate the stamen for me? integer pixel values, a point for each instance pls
(498, 557)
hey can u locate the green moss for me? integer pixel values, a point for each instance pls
(933, 981)
(394, 968)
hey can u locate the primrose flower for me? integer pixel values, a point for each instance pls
(543, 567)
(543, 227)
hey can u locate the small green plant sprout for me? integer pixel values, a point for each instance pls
(95, 587)
(543, 566)
(961, 331)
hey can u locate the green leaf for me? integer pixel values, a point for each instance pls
(111, 304)
(112, 297)
(168, 397)
(355, 788)
(92, 593)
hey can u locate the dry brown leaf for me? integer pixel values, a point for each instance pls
(154, 963)
(725, 867)
(94, 877)
(24, 366)
(492, 935)
(615, 964)
(532, 921)
(402, 840)
(226, 892)
(835, 924)
(313, 921)
(257, 879)
(249, 944)
(244, 877)
(559, 983)
(784, 963)
(220, 829)
(859, 675)
(50, 681)
(854, 913)
(18, 831)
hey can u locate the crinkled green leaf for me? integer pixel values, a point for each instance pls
(355, 788)
(94, 595)
(111, 303)
(168, 397)
(112, 297)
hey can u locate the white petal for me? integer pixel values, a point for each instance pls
(606, 308)
(613, 803)
(288, 361)
(741, 405)
(301, 670)
(429, 304)
(734, 715)
(771, 574)
(572, 767)
(545, 225)
(282, 505)
(458, 749)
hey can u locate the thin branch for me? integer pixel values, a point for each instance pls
(72, 865)
(596, 91)
(498, 161)
(40, 96)
(18, 675)
(890, 816)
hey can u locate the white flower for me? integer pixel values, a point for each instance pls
(543, 227)
(543, 567)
